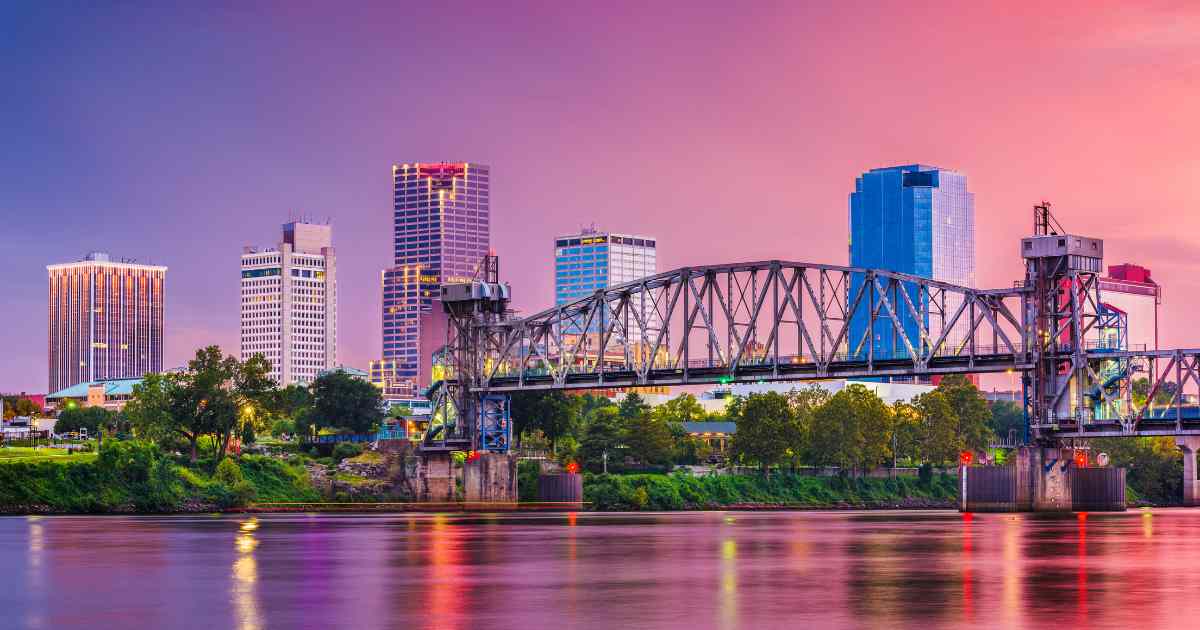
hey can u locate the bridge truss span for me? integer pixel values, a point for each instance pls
(766, 320)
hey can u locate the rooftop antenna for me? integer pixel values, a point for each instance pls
(1044, 223)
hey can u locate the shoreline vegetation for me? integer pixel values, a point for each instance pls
(189, 441)
(130, 477)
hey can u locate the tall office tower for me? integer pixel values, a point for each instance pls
(442, 223)
(914, 219)
(289, 303)
(106, 320)
(594, 259)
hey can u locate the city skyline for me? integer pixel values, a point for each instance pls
(740, 152)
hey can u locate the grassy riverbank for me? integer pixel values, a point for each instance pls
(687, 492)
(133, 477)
(130, 477)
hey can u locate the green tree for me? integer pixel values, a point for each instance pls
(852, 430)
(633, 406)
(683, 408)
(73, 419)
(553, 412)
(1007, 419)
(215, 396)
(162, 409)
(767, 428)
(972, 410)
(603, 436)
(907, 432)
(343, 401)
(648, 439)
(941, 441)
(288, 402)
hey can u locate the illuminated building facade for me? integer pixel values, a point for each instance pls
(289, 303)
(441, 233)
(594, 260)
(105, 320)
(913, 219)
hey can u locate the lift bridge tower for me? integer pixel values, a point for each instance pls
(1061, 307)
(463, 420)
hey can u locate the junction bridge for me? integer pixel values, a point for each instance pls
(779, 320)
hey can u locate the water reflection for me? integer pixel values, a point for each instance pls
(579, 570)
(245, 578)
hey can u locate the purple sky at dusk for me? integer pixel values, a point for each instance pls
(732, 132)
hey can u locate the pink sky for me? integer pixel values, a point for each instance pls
(731, 133)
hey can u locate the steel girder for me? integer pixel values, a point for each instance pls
(768, 320)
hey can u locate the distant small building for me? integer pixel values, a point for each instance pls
(110, 394)
(716, 434)
(347, 370)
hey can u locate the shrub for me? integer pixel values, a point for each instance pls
(344, 450)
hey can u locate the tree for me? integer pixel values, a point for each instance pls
(633, 406)
(648, 438)
(972, 410)
(603, 436)
(852, 430)
(162, 409)
(683, 408)
(907, 432)
(766, 428)
(1008, 418)
(72, 419)
(289, 402)
(343, 401)
(215, 396)
(551, 412)
(19, 406)
(940, 438)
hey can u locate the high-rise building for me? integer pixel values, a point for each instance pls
(289, 303)
(913, 219)
(441, 233)
(106, 320)
(1134, 293)
(593, 260)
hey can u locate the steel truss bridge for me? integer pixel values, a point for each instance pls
(787, 321)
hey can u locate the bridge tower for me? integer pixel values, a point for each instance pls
(1063, 305)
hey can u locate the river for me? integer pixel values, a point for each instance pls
(681, 570)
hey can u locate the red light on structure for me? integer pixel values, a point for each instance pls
(572, 468)
(965, 458)
(1080, 459)
(473, 455)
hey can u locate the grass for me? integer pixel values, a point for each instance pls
(25, 453)
(136, 477)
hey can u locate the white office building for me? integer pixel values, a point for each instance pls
(289, 303)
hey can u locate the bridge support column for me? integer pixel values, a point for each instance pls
(490, 478)
(435, 479)
(1040, 481)
(1189, 444)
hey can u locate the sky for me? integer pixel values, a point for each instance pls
(730, 131)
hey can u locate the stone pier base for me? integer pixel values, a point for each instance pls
(435, 478)
(490, 478)
(1189, 444)
(1041, 479)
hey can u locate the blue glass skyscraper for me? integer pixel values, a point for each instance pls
(913, 219)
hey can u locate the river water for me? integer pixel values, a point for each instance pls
(682, 570)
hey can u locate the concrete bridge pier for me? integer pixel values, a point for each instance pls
(1189, 444)
(1043, 479)
(490, 478)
